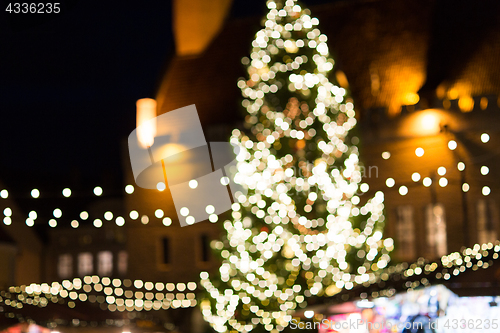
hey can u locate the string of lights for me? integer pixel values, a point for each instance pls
(110, 293)
(440, 171)
(98, 221)
(423, 273)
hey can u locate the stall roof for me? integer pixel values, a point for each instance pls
(471, 272)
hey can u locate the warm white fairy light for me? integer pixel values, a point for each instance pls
(66, 192)
(390, 182)
(403, 190)
(120, 221)
(486, 190)
(159, 213)
(134, 215)
(461, 166)
(98, 191)
(7, 212)
(35, 193)
(485, 170)
(313, 237)
(415, 176)
(57, 213)
(452, 144)
(443, 182)
(427, 181)
(30, 222)
(485, 137)
(441, 171)
(129, 189)
(386, 155)
(419, 152)
(97, 223)
(167, 221)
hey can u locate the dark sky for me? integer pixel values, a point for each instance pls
(68, 86)
(69, 82)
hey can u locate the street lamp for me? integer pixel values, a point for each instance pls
(146, 121)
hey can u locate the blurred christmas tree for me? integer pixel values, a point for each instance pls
(298, 233)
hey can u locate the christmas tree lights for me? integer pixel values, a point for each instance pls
(299, 232)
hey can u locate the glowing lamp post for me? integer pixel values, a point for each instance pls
(146, 121)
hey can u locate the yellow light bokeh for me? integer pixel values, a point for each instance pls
(146, 124)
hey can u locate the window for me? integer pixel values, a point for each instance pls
(486, 221)
(405, 231)
(205, 248)
(105, 263)
(65, 266)
(122, 262)
(85, 264)
(436, 230)
(166, 250)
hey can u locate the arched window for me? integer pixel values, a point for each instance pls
(486, 221)
(85, 264)
(405, 231)
(122, 262)
(105, 263)
(436, 230)
(65, 266)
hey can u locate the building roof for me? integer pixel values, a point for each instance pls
(209, 79)
(470, 272)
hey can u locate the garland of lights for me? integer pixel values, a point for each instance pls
(167, 221)
(441, 171)
(309, 253)
(107, 291)
(112, 294)
(450, 265)
(84, 215)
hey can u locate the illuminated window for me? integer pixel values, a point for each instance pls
(436, 230)
(105, 263)
(85, 264)
(65, 266)
(122, 262)
(486, 221)
(405, 230)
(205, 248)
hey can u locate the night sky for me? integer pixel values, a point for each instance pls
(69, 82)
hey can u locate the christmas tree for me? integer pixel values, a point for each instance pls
(302, 230)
